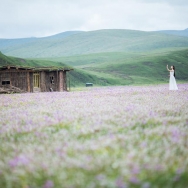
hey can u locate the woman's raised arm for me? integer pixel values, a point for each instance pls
(167, 68)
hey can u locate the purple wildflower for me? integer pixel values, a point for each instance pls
(48, 184)
(19, 160)
(120, 183)
(134, 180)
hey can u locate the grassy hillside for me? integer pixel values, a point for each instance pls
(100, 41)
(8, 60)
(96, 59)
(147, 69)
(132, 68)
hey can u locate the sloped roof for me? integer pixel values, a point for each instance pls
(35, 68)
(53, 68)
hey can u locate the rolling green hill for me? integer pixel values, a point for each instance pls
(107, 69)
(100, 41)
(8, 60)
(131, 68)
(96, 59)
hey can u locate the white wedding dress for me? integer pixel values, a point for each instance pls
(172, 84)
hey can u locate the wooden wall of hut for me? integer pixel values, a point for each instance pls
(18, 78)
(4, 76)
(49, 81)
(31, 81)
(42, 81)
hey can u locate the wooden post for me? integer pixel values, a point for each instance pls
(61, 80)
(64, 81)
(28, 82)
(57, 81)
(42, 81)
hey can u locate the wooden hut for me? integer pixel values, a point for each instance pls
(44, 79)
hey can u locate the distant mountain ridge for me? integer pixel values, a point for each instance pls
(183, 33)
(64, 34)
(21, 41)
(79, 42)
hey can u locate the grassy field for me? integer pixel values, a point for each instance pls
(113, 137)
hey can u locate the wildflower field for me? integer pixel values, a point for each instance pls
(113, 137)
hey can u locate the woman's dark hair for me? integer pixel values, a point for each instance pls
(174, 70)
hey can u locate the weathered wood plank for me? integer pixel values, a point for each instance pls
(28, 82)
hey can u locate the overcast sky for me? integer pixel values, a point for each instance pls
(38, 18)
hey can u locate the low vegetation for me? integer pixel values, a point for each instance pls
(115, 137)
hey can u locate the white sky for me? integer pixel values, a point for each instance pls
(38, 18)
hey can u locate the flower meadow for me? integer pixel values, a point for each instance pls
(113, 137)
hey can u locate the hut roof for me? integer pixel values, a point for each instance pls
(53, 68)
(36, 68)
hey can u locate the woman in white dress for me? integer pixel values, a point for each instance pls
(172, 83)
